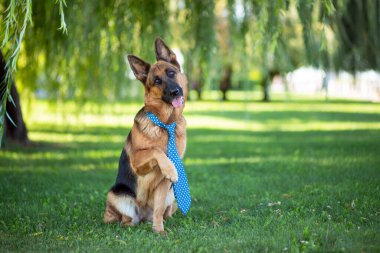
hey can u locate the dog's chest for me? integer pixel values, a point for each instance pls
(150, 135)
(160, 139)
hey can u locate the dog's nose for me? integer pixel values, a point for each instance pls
(174, 92)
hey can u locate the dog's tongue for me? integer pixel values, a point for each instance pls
(177, 102)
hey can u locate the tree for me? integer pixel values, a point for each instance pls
(78, 51)
(13, 30)
(225, 82)
(356, 25)
(14, 127)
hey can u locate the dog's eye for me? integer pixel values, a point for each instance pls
(171, 73)
(157, 81)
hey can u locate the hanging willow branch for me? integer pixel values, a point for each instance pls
(89, 61)
(62, 3)
(13, 35)
(18, 16)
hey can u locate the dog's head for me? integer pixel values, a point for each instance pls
(163, 81)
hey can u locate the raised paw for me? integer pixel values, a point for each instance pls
(170, 172)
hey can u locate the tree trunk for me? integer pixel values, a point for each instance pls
(267, 81)
(225, 83)
(195, 85)
(13, 133)
(264, 83)
(266, 97)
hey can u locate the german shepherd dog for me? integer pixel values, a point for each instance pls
(143, 191)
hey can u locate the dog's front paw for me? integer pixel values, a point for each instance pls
(160, 231)
(170, 172)
(173, 176)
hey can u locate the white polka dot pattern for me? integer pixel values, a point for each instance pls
(181, 188)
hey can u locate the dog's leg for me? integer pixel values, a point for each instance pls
(170, 210)
(144, 161)
(171, 206)
(111, 215)
(121, 208)
(159, 206)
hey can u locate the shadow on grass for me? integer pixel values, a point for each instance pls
(302, 116)
(222, 156)
(234, 164)
(275, 101)
(202, 143)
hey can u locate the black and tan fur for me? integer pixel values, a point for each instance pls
(143, 191)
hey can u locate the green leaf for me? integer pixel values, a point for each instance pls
(10, 119)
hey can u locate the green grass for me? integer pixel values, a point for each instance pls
(278, 177)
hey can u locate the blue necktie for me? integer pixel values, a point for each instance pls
(181, 188)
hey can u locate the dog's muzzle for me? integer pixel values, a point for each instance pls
(173, 94)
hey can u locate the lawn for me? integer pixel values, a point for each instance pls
(302, 175)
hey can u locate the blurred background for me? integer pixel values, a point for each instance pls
(283, 122)
(76, 51)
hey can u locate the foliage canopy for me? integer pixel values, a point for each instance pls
(77, 50)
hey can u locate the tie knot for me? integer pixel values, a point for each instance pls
(169, 127)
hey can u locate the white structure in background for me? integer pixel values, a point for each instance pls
(311, 81)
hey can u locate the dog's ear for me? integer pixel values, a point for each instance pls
(139, 67)
(164, 53)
